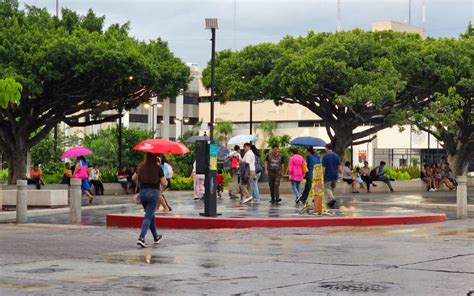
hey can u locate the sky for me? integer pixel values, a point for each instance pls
(245, 22)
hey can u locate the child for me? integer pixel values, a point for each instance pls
(220, 183)
(359, 178)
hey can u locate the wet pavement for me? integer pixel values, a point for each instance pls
(353, 205)
(429, 259)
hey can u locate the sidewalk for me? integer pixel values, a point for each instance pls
(351, 205)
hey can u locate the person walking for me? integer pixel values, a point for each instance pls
(152, 180)
(365, 175)
(331, 169)
(311, 160)
(94, 178)
(274, 167)
(234, 157)
(258, 174)
(295, 172)
(81, 172)
(247, 185)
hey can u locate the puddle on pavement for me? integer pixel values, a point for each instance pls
(27, 287)
(449, 233)
(138, 259)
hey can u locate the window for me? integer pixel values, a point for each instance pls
(189, 100)
(142, 118)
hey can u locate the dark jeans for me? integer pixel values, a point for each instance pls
(98, 187)
(35, 181)
(307, 186)
(149, 199)
(367, 180)
(385, 180)
(274, 183)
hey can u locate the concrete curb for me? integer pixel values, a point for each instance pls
(444, 207)
(135, 221)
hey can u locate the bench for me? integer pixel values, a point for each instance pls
(38, 198)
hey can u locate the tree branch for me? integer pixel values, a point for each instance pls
(92, 122)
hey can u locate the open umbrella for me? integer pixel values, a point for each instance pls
(308, 141)
(242, 139)
(161, 146)
(75, 152)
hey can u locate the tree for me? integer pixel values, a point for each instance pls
(447, 113)
(223, 130)
(74, 70)
(104, 146)
(348, 79)
(10, 92)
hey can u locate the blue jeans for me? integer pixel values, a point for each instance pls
(149, 198)
(307, 186)
(295, 186)
(255, 191)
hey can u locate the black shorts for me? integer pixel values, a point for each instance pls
(348, 181)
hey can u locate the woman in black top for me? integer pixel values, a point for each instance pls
(151, 178)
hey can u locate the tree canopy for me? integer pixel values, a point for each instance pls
(74, 70)
(348, 79)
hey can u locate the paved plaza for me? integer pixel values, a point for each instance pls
(429, 259)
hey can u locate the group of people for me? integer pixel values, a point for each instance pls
(436, 175)
(365, 177)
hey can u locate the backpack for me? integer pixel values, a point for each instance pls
(258, 165)
(244, 170)
(373, 173)
(235, 162)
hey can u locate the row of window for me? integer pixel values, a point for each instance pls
(143, 118)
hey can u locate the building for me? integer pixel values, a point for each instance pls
(397, 26)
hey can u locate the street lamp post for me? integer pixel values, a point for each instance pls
(119, 140)
(210, 197)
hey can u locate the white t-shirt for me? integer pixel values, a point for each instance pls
(249, 158)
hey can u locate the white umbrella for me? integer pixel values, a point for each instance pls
(242, 139)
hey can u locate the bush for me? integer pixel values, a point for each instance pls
(4, 176)
(108, 175)
(53, 178)
(181, 183)
(403, 173)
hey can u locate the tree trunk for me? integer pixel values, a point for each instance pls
(458, 163)
(16, 165)
(340, 142)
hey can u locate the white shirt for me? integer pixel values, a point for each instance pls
(249, 158)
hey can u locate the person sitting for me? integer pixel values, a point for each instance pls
(122, 178)
(377, 174)
(348, 178)
(94, 178)
(425, 176)
(67, 174)
(449, 174)
(444, 177)
(220, 183)
(365, 176)
(36, 177)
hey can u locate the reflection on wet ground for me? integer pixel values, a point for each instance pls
(376, 204)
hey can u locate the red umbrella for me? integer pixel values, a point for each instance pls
(164, 146)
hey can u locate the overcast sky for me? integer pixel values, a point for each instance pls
(244, 22)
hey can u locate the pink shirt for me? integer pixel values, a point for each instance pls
(295, 167)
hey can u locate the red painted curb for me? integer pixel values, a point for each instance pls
(135, 221)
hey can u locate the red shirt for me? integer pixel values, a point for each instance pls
(220, 179)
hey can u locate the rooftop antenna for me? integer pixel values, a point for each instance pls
(423, 13)
(235, 20)
(339, 15)
(57, 8)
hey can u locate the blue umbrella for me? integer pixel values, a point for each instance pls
(308, 141)
(240, 139)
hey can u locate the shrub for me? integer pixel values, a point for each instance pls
(108, 175)
(181, 183)
(53, 178)
(4, 176)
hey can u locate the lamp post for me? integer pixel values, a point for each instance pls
(119, 140)
(210, 151)
(181, 120)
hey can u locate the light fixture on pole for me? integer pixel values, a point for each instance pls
(211, 24)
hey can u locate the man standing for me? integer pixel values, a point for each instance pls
(332, 169)
(311, 160)
(246, 185)
(274, 166)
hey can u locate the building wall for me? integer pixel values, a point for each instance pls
(397, 26)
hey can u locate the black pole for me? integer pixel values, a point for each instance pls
(120, 138)
(56, 139)
(153, 119)
(213, 66)
(251, 114)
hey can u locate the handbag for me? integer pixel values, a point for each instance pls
(81, 173)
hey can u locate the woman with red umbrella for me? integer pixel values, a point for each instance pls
(151, 178)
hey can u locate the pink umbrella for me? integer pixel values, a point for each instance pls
(75, 152)
(164, 146)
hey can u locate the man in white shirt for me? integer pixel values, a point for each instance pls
(246, 185)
